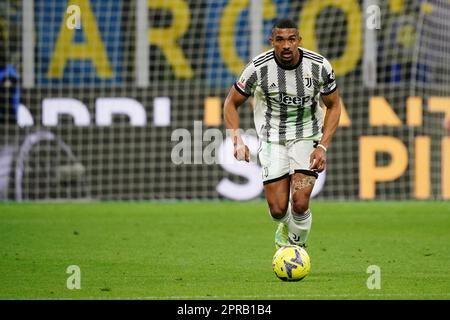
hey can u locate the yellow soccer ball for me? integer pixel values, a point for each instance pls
(291, 263)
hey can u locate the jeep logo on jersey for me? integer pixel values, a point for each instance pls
(293, 100)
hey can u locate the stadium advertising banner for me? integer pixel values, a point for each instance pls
(88, 54)
(121, 103)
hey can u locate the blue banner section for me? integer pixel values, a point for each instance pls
(218, 73)
(91, 54)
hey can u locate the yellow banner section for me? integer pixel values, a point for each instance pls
(212, 112)
(92, 49)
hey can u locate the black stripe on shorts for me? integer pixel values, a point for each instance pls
(307, 173)
(276, 179)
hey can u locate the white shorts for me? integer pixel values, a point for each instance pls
(279, 161)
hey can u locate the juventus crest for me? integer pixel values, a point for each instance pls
(308, 82)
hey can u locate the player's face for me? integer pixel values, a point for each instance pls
(286, 43)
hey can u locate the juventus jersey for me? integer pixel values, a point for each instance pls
(287, 99)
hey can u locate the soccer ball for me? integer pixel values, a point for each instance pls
(291, 263)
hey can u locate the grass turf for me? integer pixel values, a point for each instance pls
(220, 250)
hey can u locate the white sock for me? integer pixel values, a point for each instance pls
(299, 227)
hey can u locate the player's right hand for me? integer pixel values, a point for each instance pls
(317, 160)
(241, 151)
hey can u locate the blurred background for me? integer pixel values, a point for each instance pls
(96, 96)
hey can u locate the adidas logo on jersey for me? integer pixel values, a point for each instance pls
(273, 86)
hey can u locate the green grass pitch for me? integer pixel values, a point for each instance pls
(220, 250)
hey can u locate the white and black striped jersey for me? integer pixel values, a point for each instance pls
(287, 99)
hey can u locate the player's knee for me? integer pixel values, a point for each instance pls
(300, 201)
(300, 206)
(277, 210)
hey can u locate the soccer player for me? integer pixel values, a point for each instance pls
(294, 135)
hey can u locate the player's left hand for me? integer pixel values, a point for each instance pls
(318, 160)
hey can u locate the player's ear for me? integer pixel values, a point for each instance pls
(300, 40)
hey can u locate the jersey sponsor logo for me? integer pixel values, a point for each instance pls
(290, 100)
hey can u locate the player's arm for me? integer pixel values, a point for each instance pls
(331, 121)
(231, 118)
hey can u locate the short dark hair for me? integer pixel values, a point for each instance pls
(285, 24)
